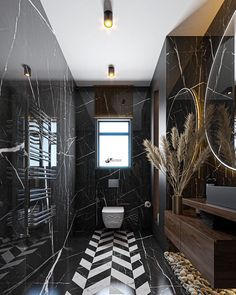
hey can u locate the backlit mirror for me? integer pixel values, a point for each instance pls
(220, 110)
(183, 103)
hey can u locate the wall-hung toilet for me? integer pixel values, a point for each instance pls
(113, 216)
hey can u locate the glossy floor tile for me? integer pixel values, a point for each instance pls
(111, 264)
(106, 262)
(19, 259)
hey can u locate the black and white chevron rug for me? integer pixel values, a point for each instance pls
(111, 265)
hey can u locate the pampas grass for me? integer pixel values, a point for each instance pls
(181, 156)
(224, 136)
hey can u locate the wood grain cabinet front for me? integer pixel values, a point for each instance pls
(172, 228)
(212, 252)
(199, 249)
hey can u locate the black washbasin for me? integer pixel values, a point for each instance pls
(223, 196)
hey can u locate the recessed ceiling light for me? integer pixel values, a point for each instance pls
(111, 71)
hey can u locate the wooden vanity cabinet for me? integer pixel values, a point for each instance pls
(212, 252)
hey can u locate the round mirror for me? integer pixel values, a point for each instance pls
(183, 103)
(219, 109)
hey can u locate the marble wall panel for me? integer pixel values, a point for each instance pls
(188, 61)
(92, 192)
(26, 37)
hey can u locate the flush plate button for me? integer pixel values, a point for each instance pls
(113, 182)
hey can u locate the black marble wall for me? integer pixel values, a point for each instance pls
(222, 175)
(185, 63)
(158, 86)
(26, 37)
(92, 192)
(179, 81)
(222, 18)
(186, 84)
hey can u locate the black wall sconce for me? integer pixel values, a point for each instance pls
(27, 70)
(108, 16)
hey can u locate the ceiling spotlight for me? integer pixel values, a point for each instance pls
(111, 71)
(108, 17)
(27, 70)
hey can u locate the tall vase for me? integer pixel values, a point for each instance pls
(177, 206)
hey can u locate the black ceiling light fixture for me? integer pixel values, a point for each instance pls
(111, 71)
(108, 16)
(27, 70)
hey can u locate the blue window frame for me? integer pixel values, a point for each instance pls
(113, 143)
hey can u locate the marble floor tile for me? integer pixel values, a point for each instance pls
(134, 265)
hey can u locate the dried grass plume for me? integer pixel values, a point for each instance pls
(180, 156)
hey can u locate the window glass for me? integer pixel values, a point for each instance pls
(114, 143)
(116, 126)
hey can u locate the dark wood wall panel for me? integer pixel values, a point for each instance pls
(114, 101)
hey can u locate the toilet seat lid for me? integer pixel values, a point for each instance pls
(113, 210)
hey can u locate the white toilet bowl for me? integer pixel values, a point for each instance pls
(113, 216)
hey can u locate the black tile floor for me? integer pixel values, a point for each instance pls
(103, 263)
(20, 259)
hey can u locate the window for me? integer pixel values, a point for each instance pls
(113, 143)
